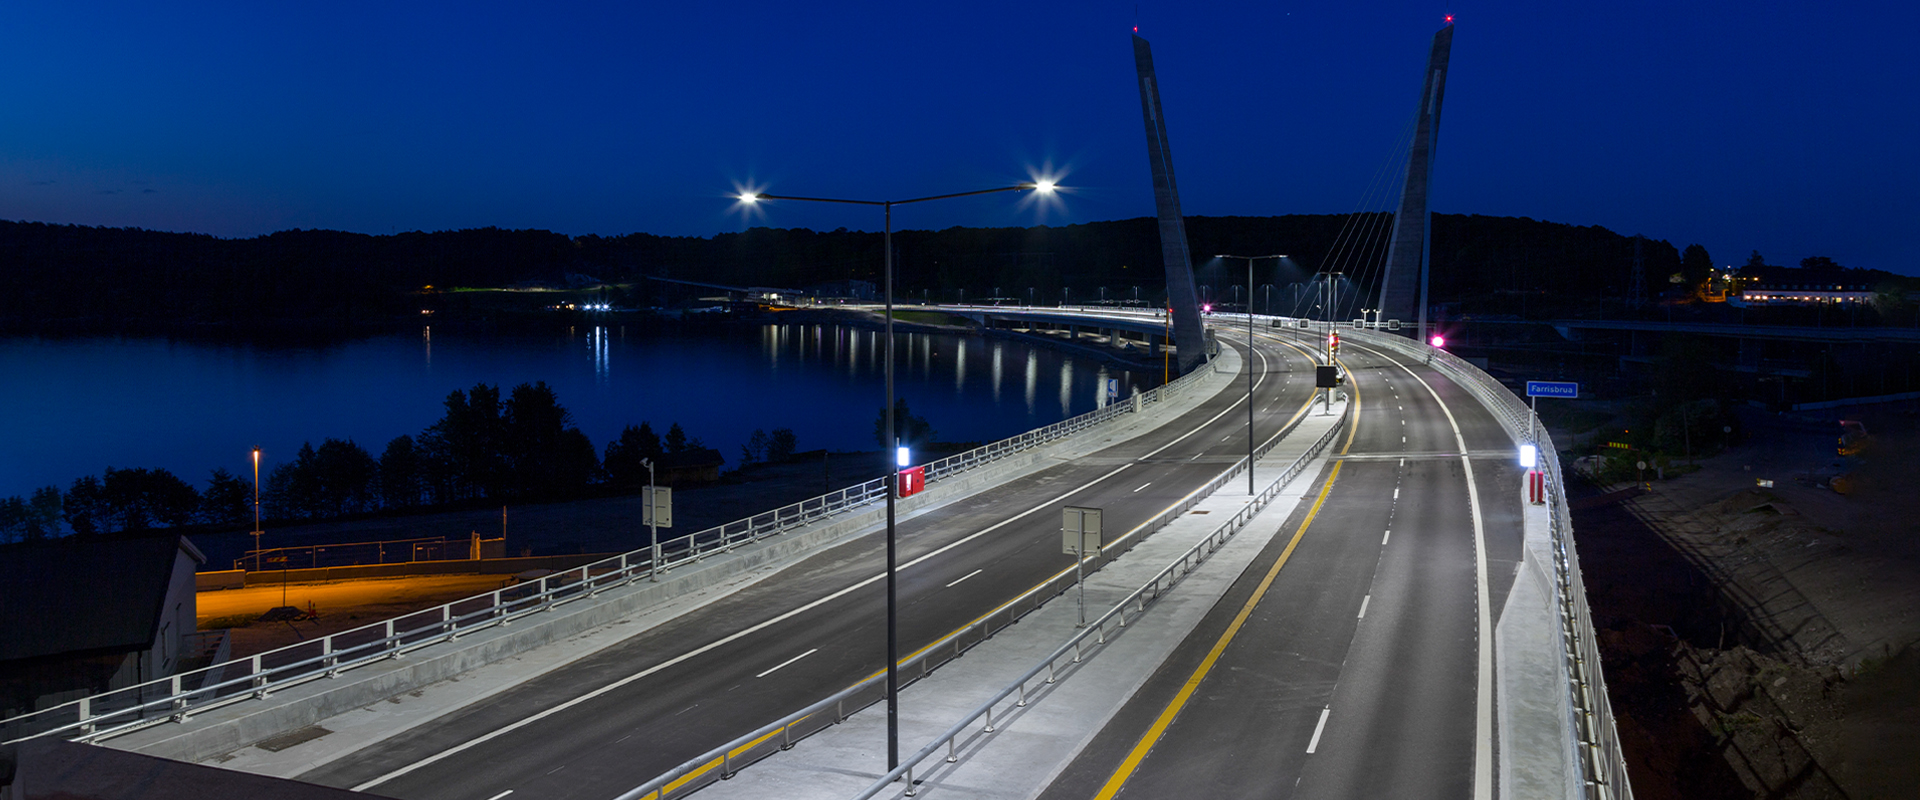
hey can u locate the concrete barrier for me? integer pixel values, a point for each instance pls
(237, 578)
(221, 579)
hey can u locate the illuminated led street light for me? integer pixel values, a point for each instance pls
(1043, 186)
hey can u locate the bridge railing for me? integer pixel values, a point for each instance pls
(722, 762)
(1600, 758)
(178, 697)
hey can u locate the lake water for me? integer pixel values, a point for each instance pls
(74, 406)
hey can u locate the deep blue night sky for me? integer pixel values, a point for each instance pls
(1782, 127)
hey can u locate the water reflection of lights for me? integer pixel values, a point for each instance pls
(1033, 378)
(1066, 388)
(601, 365)
(996, 372)
(426, 342)
(1100, 387)
(960, 365)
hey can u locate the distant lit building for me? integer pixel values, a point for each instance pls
(1786, 286)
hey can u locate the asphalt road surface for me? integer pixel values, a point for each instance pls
(1348, 660)
(622, 716)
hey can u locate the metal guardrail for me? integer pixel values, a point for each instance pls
(722, 762)
(1602, 763)
(350, 554)
(178, 697)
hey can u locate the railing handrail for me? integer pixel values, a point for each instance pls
(105, 714)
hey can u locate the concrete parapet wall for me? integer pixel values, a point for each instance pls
(238, 578)
(1538, 756)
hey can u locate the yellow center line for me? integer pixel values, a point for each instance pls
(1159, 727)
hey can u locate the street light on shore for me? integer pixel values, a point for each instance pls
(1249, 309)
(256, 509)
(1043, 186)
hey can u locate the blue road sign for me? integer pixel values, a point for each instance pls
(1552, 389)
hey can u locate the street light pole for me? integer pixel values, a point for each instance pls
(653, 525)
(893, 478)
(256, 509)
(1249, 309)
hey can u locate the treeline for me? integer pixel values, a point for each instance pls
(76, 275)
(81, 277)
(520, 447)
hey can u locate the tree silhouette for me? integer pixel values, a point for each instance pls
(228, 499)
(781, 445)
(401, 476)
(908, 429)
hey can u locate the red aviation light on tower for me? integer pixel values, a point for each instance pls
(1449, 19)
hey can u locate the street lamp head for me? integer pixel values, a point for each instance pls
(749, 197)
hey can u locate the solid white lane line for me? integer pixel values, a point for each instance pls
(1317, 728)
(1363, 606)
(500, 795)
(721, 642)
(1145, 485)
(1223, 412)
(1383, 537)
(964, 577)
(777, 667)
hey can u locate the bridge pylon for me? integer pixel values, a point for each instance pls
(1403, 285)
(1189, 339)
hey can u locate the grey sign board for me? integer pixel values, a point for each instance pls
(659, 507)
(1080, 530)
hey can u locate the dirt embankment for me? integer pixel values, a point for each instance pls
(1762, 642)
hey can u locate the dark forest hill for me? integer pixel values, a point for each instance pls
(77, 277)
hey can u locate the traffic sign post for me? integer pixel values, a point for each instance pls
(1079, 535)
(656, 513)
(1539, 389)
(1536, 488)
